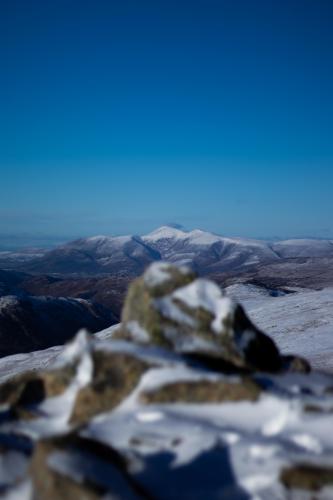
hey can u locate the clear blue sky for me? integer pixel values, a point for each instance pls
(121, 115)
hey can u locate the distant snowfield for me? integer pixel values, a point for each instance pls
(300, 322)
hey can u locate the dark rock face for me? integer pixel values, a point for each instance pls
(38, 311)
(10, 282)
(109, 291)
(32, 323)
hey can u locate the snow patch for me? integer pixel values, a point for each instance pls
(138, 333)
(206, 294)
(156, 274)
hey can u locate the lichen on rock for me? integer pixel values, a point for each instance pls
(204, 391)
(114, 376)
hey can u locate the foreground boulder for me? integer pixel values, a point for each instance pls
(170, 307)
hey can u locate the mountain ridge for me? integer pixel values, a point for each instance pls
(204, 251)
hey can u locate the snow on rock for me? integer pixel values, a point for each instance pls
(160, 273)
(205, 294)
(79, 347)
(191, 315)
(138, 333)
(157, 274)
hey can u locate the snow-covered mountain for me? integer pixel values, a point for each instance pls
(98, 254)
(204, 251)
(12, 259)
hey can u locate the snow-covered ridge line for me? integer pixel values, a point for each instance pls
(206, 252)
(297, 247)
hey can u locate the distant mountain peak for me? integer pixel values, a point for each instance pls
(196, 236)
(166, 232)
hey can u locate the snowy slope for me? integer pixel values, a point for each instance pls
(206, 251)
(98, 254)
(303, 248)
(299, 322)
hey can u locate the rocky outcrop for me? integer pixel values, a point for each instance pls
(170, 307)
(177, 402)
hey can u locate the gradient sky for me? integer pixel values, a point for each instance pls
(119, 116)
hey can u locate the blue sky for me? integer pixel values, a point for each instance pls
(117, 117)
